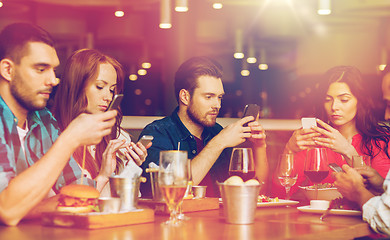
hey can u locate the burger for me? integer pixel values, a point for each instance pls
(78, 199)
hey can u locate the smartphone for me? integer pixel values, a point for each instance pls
(251, 110)
(116, 101)
(335, 167)
(308, 122)
(146, 139)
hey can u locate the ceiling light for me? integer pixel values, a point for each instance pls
(217, 5)
(1, 4)
(146, 65)
(245, 71)
(251, 52)
(165, 14)
(238, 53)
(119, 13)
(133, 77)
(181, 6)
(324, 7)
(263, 60)
(142, 72)
(383, 62)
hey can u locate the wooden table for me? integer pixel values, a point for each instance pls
(270, 223)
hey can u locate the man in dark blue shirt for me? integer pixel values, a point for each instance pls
(199, 91)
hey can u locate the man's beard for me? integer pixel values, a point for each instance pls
(197, 119)
(22, 97)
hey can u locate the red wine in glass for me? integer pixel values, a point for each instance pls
(316, 176)
(242, 164)
(316, 166)
(244, 175)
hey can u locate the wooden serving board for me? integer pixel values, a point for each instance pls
(189, 205)
(97, 220)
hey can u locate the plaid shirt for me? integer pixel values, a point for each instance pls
(43, 131)
(376, 211)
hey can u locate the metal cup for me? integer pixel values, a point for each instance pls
(239, 202)
(109, 204)
(156, 192)
(199, 191)
(127, 190)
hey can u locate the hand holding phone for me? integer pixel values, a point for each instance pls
(146, 139)
(335, 167)
(251, 110)
(116, 101)
(307, 123)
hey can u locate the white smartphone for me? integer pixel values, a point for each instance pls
(116, 101)
(146, 139)
(308, 122)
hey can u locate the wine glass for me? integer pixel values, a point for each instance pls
(286, 172)
(173, 179)
(316, 166)
(181, 215)
(241, 163)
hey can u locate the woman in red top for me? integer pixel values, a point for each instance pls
(349, 127)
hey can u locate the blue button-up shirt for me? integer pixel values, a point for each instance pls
(43, 131)
(167, 133)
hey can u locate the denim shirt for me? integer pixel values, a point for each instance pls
(167, 133)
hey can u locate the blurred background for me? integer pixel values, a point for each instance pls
(285, 45)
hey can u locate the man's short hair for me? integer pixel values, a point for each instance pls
(14, 38)
(188, 73)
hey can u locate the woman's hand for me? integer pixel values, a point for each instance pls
(137, 152)
(332, 139)
(301, 139)
(109, 157)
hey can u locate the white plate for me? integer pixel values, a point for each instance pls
(308, 209)
(282, 202)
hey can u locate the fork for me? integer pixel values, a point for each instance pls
(325, 213)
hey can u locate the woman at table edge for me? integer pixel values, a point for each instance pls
(89, 82)
(350, 125)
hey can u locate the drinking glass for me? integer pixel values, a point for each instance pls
(316, 166)
(181, 215)
(360, 161)
(287, 173)
(241, 163)
(173, 180)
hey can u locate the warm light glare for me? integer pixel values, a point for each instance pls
(1, 4)
(133, 77)
(165, 14)
(263, 66)
(181, 6)
(251, 60)
(142, 72)
(146, 65)
(245, 72)
(382, 67)
(217, 5)
(324, 7)
(238, 55)
(119, 13)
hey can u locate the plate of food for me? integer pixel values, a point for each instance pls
(339, 206)
(265, 201)
(326, 191)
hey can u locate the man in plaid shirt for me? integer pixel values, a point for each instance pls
(34, 156)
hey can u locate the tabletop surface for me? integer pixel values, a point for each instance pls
(270, 223)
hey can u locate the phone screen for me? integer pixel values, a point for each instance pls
(114, 104)
(251, 110)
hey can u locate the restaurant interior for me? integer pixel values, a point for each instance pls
(285, 45)
(272, 53)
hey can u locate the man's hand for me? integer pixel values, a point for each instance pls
(351, 185)
(257, 134)
(235, 133)
(372, 180)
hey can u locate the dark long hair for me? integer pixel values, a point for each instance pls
(367, 120)
(70, 99)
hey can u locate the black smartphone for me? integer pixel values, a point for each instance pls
(335, 167)
(116, 101)
(146, 139)
(251, 110)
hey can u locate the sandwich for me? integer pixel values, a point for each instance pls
(78, 199)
